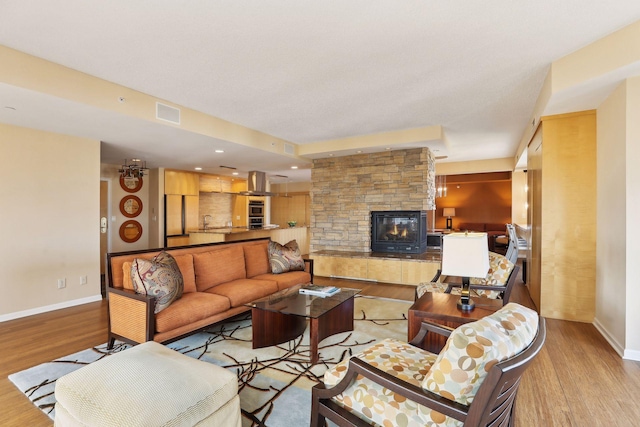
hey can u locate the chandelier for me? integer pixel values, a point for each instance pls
(134, 170)
(441, 186)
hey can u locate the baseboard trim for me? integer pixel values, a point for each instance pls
(47, 308)
(610, 339)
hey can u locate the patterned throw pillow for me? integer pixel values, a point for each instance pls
(283, 258)
(159, 277)
(473, 348)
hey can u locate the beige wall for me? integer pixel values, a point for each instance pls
(632, 347)
(519, 198)
(611, 225)
(49, 221)
(111, 173)
(618, 283)
(155, 213)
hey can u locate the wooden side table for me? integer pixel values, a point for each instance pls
(442, 309)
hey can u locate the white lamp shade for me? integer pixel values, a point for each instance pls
(449, 212)
(465, 255)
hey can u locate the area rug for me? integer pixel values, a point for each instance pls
(274, 382)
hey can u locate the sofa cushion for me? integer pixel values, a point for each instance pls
(283, 258)
(220, 266)
(185, 263)
(243, 291)
(288, 279)
(500, 269)
(496, 227)
(473, 348)
(256, 259)
(472, 226)
(159, 277)
(377, 403)
(192, 307)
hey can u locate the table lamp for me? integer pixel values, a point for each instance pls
(465, 255)
(449, 212)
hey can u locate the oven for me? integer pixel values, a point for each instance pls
(255, 222)
(256, 209)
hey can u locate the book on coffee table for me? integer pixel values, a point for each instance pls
(320, 291)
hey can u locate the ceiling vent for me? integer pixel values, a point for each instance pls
(288, 149)
(167, 113)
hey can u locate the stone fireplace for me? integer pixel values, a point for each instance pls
(344, 191)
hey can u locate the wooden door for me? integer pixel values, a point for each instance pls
(534, 215)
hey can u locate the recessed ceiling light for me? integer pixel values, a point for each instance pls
(234, 173)
(198, 168)
(294, 167)
(219, 151)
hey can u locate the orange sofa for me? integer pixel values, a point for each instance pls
(219, 278)
(492, 230)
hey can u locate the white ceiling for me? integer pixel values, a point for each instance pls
(304, 71)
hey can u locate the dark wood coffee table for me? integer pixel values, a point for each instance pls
(442, 309)
(283, 316)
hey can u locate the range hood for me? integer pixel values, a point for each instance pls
(256, 184)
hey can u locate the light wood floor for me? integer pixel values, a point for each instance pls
(577, 380)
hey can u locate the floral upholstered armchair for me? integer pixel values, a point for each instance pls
(472, 382)
(496, 285)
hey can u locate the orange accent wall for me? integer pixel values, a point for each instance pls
(486, 202)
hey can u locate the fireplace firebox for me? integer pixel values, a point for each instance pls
(399, 231)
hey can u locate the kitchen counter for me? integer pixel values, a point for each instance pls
(230, 234)
(230, 230)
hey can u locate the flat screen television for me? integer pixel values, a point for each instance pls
(399, 231)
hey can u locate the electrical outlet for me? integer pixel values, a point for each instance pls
(62, 283)
(83, 280)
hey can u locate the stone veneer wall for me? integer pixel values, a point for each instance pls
(344, 190)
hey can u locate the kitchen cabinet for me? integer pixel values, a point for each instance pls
(293, 207)
(239, 213)
(181, 215)
(173, 215)
(182, 190)
(180, 182)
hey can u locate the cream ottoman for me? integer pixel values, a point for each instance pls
(148, 385)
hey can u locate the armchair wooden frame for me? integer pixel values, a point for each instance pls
(504, 290)
(493, 405)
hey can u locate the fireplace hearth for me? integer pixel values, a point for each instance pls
(399, 231)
